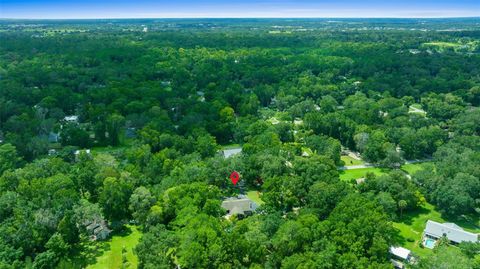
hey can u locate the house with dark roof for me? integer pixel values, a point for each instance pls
(454, 233)
(98, 230)
(241, 206)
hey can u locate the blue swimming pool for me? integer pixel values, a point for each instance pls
(429, 243)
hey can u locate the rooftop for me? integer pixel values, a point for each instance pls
(230, 152)
(452, 231)
(400, 252)
(238, 205)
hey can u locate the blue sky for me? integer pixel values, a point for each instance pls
(56, 9)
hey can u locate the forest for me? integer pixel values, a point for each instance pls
(349, 135)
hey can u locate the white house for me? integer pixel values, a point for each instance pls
(240, 206)
(230, 152)
(400, 256)
(435, 230)
(400, 253)
(71, 119)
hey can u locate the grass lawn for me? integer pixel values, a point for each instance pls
(442, 44)
(412, 224)
(254, 196)
(113, 257)
(105, 254)
(351, 161)
(417, 106)
(412, 168)
(348, 175)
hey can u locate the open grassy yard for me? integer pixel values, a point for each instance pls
(412, 224)
(255, 196)
(113, 257)
(106, 254)
(351, 161)
(442, 44)
(412, 168)
(348, 175)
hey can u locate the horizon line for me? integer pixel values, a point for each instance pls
(266, 17)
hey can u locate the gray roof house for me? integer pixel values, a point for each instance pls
(240, 205)
(98, 230)
(453, 232)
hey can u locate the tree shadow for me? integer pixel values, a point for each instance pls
(408, 217)
(123, 231)
(397, 238)
(91, 250)
(470, 221)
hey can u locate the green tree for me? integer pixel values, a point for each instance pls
(114, 198)
(141, 201)
(9, 158)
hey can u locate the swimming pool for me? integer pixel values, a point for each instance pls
(429, 243)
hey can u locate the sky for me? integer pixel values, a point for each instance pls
(90, 9)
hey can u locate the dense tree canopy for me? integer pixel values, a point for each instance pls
(103, 123)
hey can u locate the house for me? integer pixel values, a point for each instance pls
(435, 230)
(400, 256)
(360, 180)
(227, 153)
(98, 230)
(71, 119)
(400, 253)
(240, 206)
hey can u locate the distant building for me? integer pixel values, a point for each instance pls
(71, 119)
(227, 153)
(435, 230)
(414, 51)
(166, 83)
(241, 206)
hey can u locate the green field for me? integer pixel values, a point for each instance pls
(113, 257)
(348, 175)
(351, 161)
(412, 224)
(417, 106)
(412, 168)
(106, 254)
(255, 196)
(442, 44)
